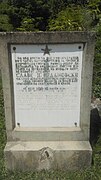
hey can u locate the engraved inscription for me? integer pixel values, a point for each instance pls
(47, 85)
(46, 71)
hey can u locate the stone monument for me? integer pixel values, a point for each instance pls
(47, 79)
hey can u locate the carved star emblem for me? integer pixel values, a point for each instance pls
(46, 50)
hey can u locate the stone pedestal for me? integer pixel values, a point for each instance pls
(48, 155)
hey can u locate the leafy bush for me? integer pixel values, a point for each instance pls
(73, 18)
(5, 23)
(97, 64)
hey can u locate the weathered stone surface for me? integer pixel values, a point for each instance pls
(67, 155)
(47, 148)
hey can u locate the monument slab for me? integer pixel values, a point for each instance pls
(47, 78)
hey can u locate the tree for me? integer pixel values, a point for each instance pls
(94, 7)
(28, 12)
(5, 23)
(72, 18)
(97, 65)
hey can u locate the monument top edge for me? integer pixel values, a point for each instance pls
(48, 37)
(47, 32)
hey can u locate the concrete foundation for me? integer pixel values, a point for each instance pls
(48, 155)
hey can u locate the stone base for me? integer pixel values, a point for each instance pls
(39, 155)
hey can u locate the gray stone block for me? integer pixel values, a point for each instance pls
(48, 155)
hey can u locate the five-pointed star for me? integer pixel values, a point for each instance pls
(46, 50)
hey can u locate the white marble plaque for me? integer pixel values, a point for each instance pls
(47, 84)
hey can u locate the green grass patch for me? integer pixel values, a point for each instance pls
(93, 173)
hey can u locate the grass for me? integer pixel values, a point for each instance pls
(93, 173)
